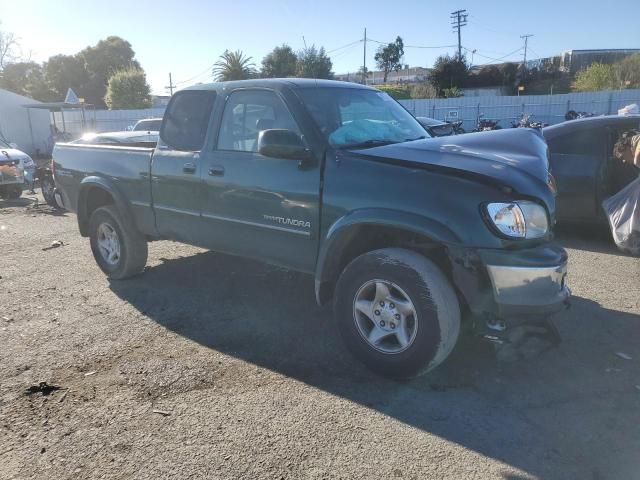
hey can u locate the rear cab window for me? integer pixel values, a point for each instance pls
(186, 120)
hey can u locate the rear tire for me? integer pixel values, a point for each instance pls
(47, 186)
(397, 312)
(120, 252)
(14, 192)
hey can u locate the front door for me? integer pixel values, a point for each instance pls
(176, 165)
(257, 206)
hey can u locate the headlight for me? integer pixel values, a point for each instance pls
(522, 219)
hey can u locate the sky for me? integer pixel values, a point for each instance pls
(186, 37)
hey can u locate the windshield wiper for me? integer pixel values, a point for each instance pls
(367, 144)
(421, 137)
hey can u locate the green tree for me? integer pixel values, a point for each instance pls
(596, 76)
(281, 62)
(449, 72)
(233, 66)
(128, 89)
(627, 72)
(101, 62)
(314, 63)
(66, 71)
(388, 57)
(26, 78)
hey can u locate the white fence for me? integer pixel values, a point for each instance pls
(546, 108)
(102, 120)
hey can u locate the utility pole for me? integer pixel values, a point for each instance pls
(364, 60)
(525, 38)
(459, 20)
(171, 86)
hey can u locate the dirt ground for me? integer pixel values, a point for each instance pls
(209, 366)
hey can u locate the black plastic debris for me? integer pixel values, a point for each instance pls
(43, 387)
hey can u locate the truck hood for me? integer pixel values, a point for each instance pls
(515, 157)
(14, 154)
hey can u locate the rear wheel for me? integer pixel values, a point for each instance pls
(48, 188)
(14, 191)
(397, 312)
(120, 252)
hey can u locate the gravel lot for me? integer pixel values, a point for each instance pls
(251, 380)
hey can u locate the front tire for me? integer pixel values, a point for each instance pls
(397, 312)
(119, 251)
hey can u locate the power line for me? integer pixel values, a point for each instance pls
(459, 20)
(344, 46)
(411, 46)
(499, 59)
(474, 23)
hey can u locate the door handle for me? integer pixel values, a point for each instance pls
(189, 168)
(216, 171)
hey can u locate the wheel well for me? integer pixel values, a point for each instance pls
(365, 238)
(94, 198)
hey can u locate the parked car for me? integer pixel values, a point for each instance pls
(582, 163)
(15, 167)
(437, 128)
(403, 233)
(122, 139)
(148, 125)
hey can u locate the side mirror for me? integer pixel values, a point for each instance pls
(281, 143)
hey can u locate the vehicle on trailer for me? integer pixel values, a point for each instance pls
(404, 233)
(148, 125)
(15, 167)
(438, 128)
(584, 167)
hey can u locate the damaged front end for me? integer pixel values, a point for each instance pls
(509, 292)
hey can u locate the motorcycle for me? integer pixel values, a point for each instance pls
(484, 124)
(527, 122)
(573, 115)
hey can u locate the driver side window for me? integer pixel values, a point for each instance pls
(246, 114)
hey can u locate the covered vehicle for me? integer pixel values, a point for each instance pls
(438, 128)
(124, 139)
(148, 125)
(584, 167)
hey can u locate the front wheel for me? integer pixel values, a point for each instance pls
(397, 312)
(120, 252)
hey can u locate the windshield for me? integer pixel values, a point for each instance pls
(354, 117)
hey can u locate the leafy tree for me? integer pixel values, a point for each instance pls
(26, 78)
(281, 62)
(449, 72)
(101, 62)
(453, 92)
(627, 71)
(363, 72)
(233, 66)
(509, 73)
(66, 71)
(388, 57)
(596, 76)
(314, 63)
(128, 89)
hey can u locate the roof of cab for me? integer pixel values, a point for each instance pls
(601, 121)
(277, 83)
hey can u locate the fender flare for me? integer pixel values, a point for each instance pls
(343, 230)
(107, 185)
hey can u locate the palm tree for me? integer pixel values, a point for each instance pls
(233, 66)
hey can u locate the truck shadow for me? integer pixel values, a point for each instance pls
(268, 316)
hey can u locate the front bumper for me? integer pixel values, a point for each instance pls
(529, 282)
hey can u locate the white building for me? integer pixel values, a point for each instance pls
(28, 128)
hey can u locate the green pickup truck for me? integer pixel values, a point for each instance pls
(405, 234)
